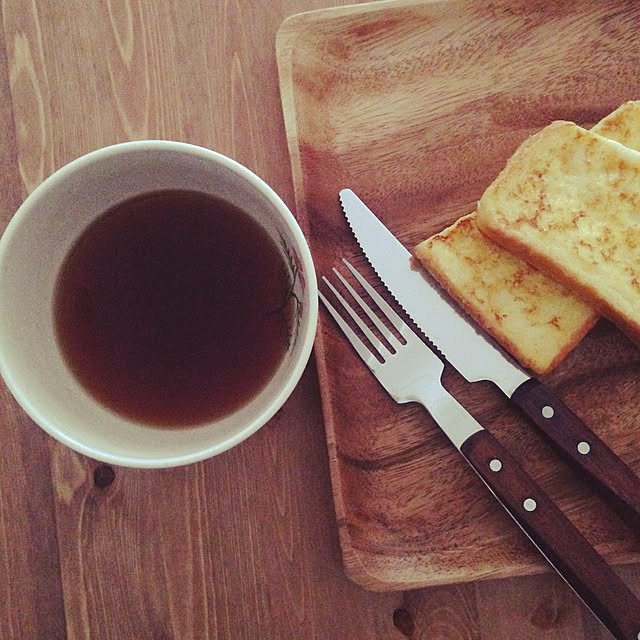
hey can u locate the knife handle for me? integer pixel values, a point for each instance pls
(581, 446)
(601, 589)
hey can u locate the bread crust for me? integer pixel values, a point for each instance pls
(568, 202)
(534, 318)
(513, 271)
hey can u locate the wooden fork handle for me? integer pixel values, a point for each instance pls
(555, 536)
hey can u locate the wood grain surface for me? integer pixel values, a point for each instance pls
(243, 546)
(417, 106)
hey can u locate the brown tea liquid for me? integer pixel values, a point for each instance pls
(172, 308)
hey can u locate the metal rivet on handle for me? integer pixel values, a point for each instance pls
(584, 448)
(547, 412)
(495, 465)
(529, 504)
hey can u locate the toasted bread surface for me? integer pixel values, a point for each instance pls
(533, 316)
(538, 320)
(622, 125)
(568, 201)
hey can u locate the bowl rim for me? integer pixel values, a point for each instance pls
(306, 335)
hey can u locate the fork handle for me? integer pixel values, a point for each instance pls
(568, 552)
(620, 485)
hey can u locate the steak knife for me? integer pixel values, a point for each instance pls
(477, 357)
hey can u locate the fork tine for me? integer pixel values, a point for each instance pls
(382, 328)
(375, 342)
(391, 315)
(363, 351)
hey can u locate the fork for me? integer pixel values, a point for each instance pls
(411, 372)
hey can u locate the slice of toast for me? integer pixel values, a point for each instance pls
(531, 315)
(568, 201)
(537, 320)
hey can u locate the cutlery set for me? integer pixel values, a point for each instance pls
(410, 372)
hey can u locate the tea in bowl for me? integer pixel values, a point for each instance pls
(158, 304)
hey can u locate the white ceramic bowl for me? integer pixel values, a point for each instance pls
(32, 250)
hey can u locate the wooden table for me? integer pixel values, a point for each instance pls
(243, 546)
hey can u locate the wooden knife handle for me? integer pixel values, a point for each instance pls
(552, 532)
(581, 446)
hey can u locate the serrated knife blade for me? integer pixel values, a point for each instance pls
(463, 345)
(476, 357)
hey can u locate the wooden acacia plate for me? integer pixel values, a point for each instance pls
(417, 106)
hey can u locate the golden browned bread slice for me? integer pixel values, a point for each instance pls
(534, 317)
(622, 125)
(568, 201)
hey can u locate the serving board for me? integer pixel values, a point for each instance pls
(416, 106)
